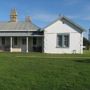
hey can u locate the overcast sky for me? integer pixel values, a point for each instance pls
(43, 12)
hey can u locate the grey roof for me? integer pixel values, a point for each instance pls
(72, 22)
(18, 26)
(64, 18)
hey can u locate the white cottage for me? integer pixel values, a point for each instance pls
(61, 36)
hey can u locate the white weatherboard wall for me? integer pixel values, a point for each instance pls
(50, 38)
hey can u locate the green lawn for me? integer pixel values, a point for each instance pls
(37, 71)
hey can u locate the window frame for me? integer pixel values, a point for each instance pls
(23, 41)
(3, 40)
(63, 40)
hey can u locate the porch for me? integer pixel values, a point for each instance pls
(21, 44)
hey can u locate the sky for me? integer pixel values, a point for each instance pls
(43, 12)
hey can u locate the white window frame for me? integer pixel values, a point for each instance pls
(63, 40)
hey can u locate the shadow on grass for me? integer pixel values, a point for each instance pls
(83, 61)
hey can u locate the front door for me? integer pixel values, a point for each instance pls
(23, 45)
(37, 44)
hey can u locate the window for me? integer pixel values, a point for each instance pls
(63, 40)
(24, 41)
(59, 40)
(66, 40)
(34, 40)
(15, 40)
(3, 40)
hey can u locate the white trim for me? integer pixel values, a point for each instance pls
(10, 44)
(27, 44)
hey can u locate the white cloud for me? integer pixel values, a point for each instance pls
(73, 16)
(45, 17)
(81, 17)
(86, 18)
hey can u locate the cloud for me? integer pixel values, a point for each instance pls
(73, 16)
(47, 17)
(86, 18)
(80, 17)
(44, 17)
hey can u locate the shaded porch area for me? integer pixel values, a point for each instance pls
(21, 44)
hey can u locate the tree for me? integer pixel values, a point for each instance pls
(86, 43)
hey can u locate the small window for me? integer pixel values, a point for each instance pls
(3, 40)
(15, 40)
(24, 41)
(63, 40)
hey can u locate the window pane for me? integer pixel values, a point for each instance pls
(24, 41)
(15, 40)
(66, 40)
(59, 40)
(3, 40)
(34, 40)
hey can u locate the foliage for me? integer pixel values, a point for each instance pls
(86, 43)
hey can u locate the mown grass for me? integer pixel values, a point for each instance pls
(37, 71)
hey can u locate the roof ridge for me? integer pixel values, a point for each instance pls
(69, 20)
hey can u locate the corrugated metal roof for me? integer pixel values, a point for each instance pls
(18, 26)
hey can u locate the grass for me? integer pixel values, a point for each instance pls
(37, 71)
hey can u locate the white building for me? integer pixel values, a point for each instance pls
(61, 36)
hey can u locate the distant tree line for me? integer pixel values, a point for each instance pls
(86, 43)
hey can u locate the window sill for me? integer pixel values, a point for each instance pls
(62, 47)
